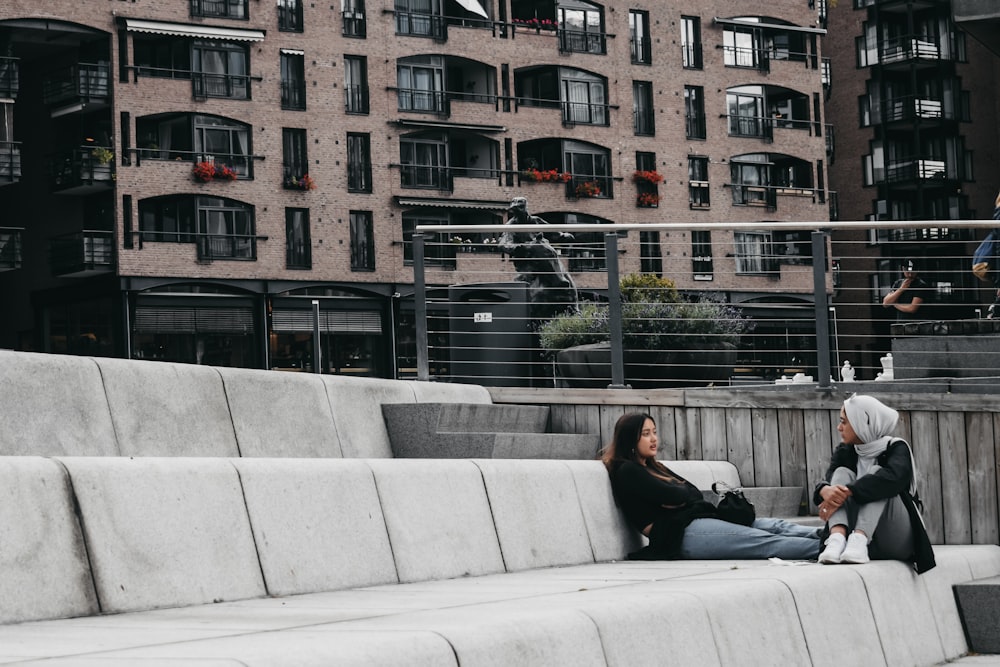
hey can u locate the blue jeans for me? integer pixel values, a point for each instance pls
(706, 539)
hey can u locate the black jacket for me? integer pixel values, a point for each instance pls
(892, 479)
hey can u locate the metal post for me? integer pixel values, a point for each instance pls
(615, 312)
(822, 309)
(317, 349)
(420, 307)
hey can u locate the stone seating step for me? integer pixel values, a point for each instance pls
(979, 609)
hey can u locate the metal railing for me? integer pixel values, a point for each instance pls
(759, 303)
(10, 248)
(9, 77)
(84, 251)
(81, 81)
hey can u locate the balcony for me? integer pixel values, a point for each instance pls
(227, 246)
(82, 171)
(81, 87)
(10, 162)
(82, 254)
(10, 248)
(911, 172)
(909, 49)
(9, 83)
(581, 41)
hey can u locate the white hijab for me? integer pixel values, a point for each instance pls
(874, 423)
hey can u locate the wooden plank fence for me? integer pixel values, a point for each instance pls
(784, 437)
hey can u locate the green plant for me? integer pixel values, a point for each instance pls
(654, 317)
(102, 155)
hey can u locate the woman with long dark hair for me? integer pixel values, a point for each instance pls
(672, 513)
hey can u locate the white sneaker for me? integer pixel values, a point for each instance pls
(856, 551)
(834, 548)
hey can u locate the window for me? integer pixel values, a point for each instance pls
(223, 228)
(691, 56)
(298, 249)
(745, 106)
(424, 159)
(581, 28)
(223, 141)
(362, 241)
(590, 167)
(162, 56)
(751, 185)
(293, 81)
(290, 15)
(420, 83)
(438, 251)
(638, 23)
(584, 97)
(642, 108)
(647, 191)
(694, 112)
(356, 84)
(701, 255)
(650, 253)
(353, 13)
(359, 162)
(220, 69)
(295, 160)
(741, 47)
(753, 252)
(231, 9)
(698, 192)
(9, 80)
(420, 18)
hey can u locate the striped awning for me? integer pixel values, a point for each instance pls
(438, 202)
(769, 26)
(189, 30)
(330, 321)
(193, 319)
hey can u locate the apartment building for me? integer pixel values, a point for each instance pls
(915, 114)
(206, 180)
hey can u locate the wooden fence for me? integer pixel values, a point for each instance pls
(784, 437)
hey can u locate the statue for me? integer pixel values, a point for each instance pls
(551, 289)
(887, 370)
(847, 372)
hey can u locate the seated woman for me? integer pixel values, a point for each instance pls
(672, 513)
(869, 491)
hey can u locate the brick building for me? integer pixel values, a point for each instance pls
(915, 110)
(181, 179)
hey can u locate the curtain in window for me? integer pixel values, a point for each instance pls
(578, 101)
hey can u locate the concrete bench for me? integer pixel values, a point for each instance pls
(480, 430)
(390, 561)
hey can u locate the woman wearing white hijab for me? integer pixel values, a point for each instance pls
(867, 496)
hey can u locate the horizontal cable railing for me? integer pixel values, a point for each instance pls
(744, 303)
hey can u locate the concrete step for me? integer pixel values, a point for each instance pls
(979, 609)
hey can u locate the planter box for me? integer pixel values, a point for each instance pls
(589, 366)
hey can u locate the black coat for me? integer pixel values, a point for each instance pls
(892, 479)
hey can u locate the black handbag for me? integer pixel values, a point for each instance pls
(733, 505)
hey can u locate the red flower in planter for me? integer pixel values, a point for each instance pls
(588, 189)
(647, 199)
(204, 171)
(652, 176)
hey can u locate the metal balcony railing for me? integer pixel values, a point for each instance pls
(10, 248)
(9, 77)
(792, 300)
(84, 81)
(10, 162)
(82, 252)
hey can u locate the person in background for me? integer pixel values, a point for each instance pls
(673, 514)
(993, 313)
(908, 293)
(868, 496)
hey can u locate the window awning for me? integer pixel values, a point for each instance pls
(743, 23)
(437, 202)
(292, 52)
(443, 125)
(189, 30)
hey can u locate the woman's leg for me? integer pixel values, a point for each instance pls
(843, 515)
(777, 526)
(707, 539)
(893, 535)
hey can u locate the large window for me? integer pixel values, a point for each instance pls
(290, 15)
(362, 241)
(741, 47)
(220, 70)
(353, 13)
(698, 190)
(581, 27)
(751, 183)
(197, 138)
(230, 9)
(223, 228)
(359, 162)
(590, 167)
(438, 250)
(642, 108)
(420, 18)
(745, 106)
(691, 53)
(582, 95)
(295, 160)
(753, 252)
(298, 248)
(420, 83)
(701, 255)
(694, 112)
(424, 160)
(293, 80)
(356, 84)
(639, 40)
